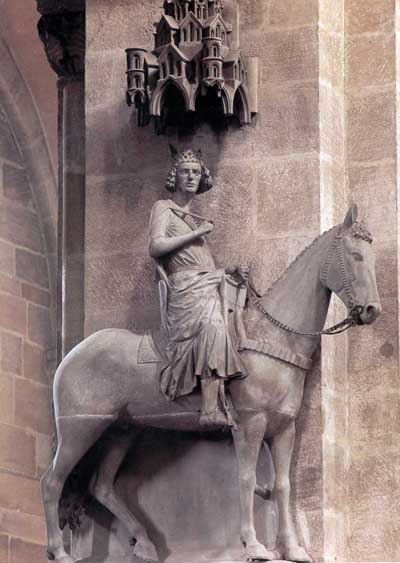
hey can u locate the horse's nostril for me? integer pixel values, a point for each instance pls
(373, 311)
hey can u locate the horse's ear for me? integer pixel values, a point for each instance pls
(351, 216)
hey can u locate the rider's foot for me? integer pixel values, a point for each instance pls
(214, 418)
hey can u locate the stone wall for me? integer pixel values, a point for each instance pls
(26, 422)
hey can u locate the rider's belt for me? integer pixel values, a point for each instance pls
(275, 351)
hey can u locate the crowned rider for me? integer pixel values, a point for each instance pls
(199, 344)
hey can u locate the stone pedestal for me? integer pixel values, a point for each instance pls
(184, 488)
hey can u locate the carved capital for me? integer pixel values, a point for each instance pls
(63, 36)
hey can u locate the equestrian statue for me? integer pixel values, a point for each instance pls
(211, 375)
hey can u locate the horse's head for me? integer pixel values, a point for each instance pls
(349, 269)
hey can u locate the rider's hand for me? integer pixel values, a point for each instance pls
(204, 229)
(239, 273)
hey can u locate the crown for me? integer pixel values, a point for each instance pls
(186, 156)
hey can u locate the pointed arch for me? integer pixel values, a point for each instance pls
(241, 104)
(159, 92)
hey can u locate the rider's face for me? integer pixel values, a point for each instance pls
(188, 177)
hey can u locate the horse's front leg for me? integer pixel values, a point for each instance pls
(287, 542)
(248, 439)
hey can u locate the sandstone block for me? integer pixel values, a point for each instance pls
(264, 271)
(334, 417)
(253, 16)
(17, 450)
(375, 346)
(296, 209)
(136, 318)
(6, 399)
(27, 526)
(33, 406)
(39, 325)
(331, 123)
(22, 552)
(286, 13)
(108, 66)
(374, 190)
(288, 121)
(4, 549)
(230, 206)
(118, 281)
(124, 204)
(371, 126)
(370, 60)
(11, 353)
(13, 313)
(31, 267)
(374, 417)
(9, 285)
(16, 186)
(372, 476)
(20, 226)
(333, 190)
(115, 145)
(386, 267)
(290, 55)
(331, 55)
(374, 530)
(35, 295)
(33, 363)
(335, 475)
(108, 29)
(20, 493)
(7, 260)
(309, 525)
(44, 453)
(370, 16)
(331, 15)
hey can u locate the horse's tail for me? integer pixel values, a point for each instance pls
(76, 497)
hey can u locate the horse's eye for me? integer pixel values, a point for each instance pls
(357, 256)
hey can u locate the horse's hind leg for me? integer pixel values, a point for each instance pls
(102, 488)
(287, 543)
(75, 436)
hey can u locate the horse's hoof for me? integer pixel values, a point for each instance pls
(258, 552)
(64, 559)
(297, 554)
(145, 550)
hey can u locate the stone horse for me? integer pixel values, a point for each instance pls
(99, 383)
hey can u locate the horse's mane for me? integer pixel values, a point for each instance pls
(358, 230)
(305, 251)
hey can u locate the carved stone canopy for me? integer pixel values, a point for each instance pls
(196, 51)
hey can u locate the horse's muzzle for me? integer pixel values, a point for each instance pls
(366, 314)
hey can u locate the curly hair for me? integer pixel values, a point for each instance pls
(205, 181)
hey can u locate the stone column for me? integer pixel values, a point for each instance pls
(62, 31)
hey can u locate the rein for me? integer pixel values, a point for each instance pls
(338, 328)
(335, 329)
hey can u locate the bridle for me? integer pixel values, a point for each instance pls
(336, 248)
